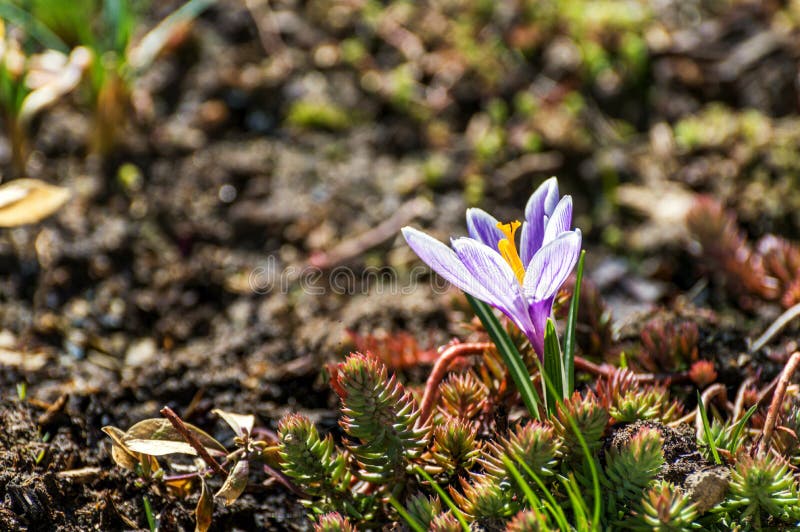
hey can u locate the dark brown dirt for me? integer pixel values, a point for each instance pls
(147, 289)
(681, 455)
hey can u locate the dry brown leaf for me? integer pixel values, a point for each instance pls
(204, 510)
(120, 453)
(125, 457)
(235, 483)
(157, 436)
(159, 447)
(27, 201)
(22, 359)
(665, 205)
(240, 423)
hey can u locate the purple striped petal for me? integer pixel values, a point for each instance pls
(543, 200)
(490, 270)
(482, 226)
(530, 240)
(552, 265)
(541, 203)
(539, 311)
(497, 277)
(445, 262)
(560, 221)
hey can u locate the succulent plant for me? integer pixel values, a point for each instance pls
(589, 417)
(668, 346)
(380, 417)
(484, 498)
(314, 463)
(333, 522)
(455, 447)
(533, 444)
(631, 468)
(463, 396)
(529, 521)
(665, 508)
(761, 487)
(728, 254)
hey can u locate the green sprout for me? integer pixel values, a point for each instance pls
(29, 83)
(106, 29)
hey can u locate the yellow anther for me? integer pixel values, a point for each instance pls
(508, 248)
(509, 229)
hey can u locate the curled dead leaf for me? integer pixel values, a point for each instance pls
(240, 423)
(204, 510)
(235, 483)
(126, 457)
(157, 437)
(160, 447)
(27, 201)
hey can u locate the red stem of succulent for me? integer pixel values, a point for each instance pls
(777, 399)
(440, 368)
(455, 351)
(608, 371)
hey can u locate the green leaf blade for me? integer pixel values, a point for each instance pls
(572, 321)
(553, 368)
(509, 353)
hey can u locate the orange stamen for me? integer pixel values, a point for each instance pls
(508, 248)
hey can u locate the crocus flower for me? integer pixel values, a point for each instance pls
(521, 282)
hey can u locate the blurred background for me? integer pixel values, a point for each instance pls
(211, 147)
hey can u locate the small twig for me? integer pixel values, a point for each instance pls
(607, 371)
(777, 399)
(353, 247)
(192, 440)
(81, 475)
(776, 327)
(439, 370)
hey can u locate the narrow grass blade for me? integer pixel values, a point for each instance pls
(569, 334)
(707, 429)
(533, 500)
(590, 460)
(579, 508)
(550, 502)
(739, 427)
(510, 354)
(148, 512)
(445, 497)
(33, 27)
(119, 21)
(415, 525)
